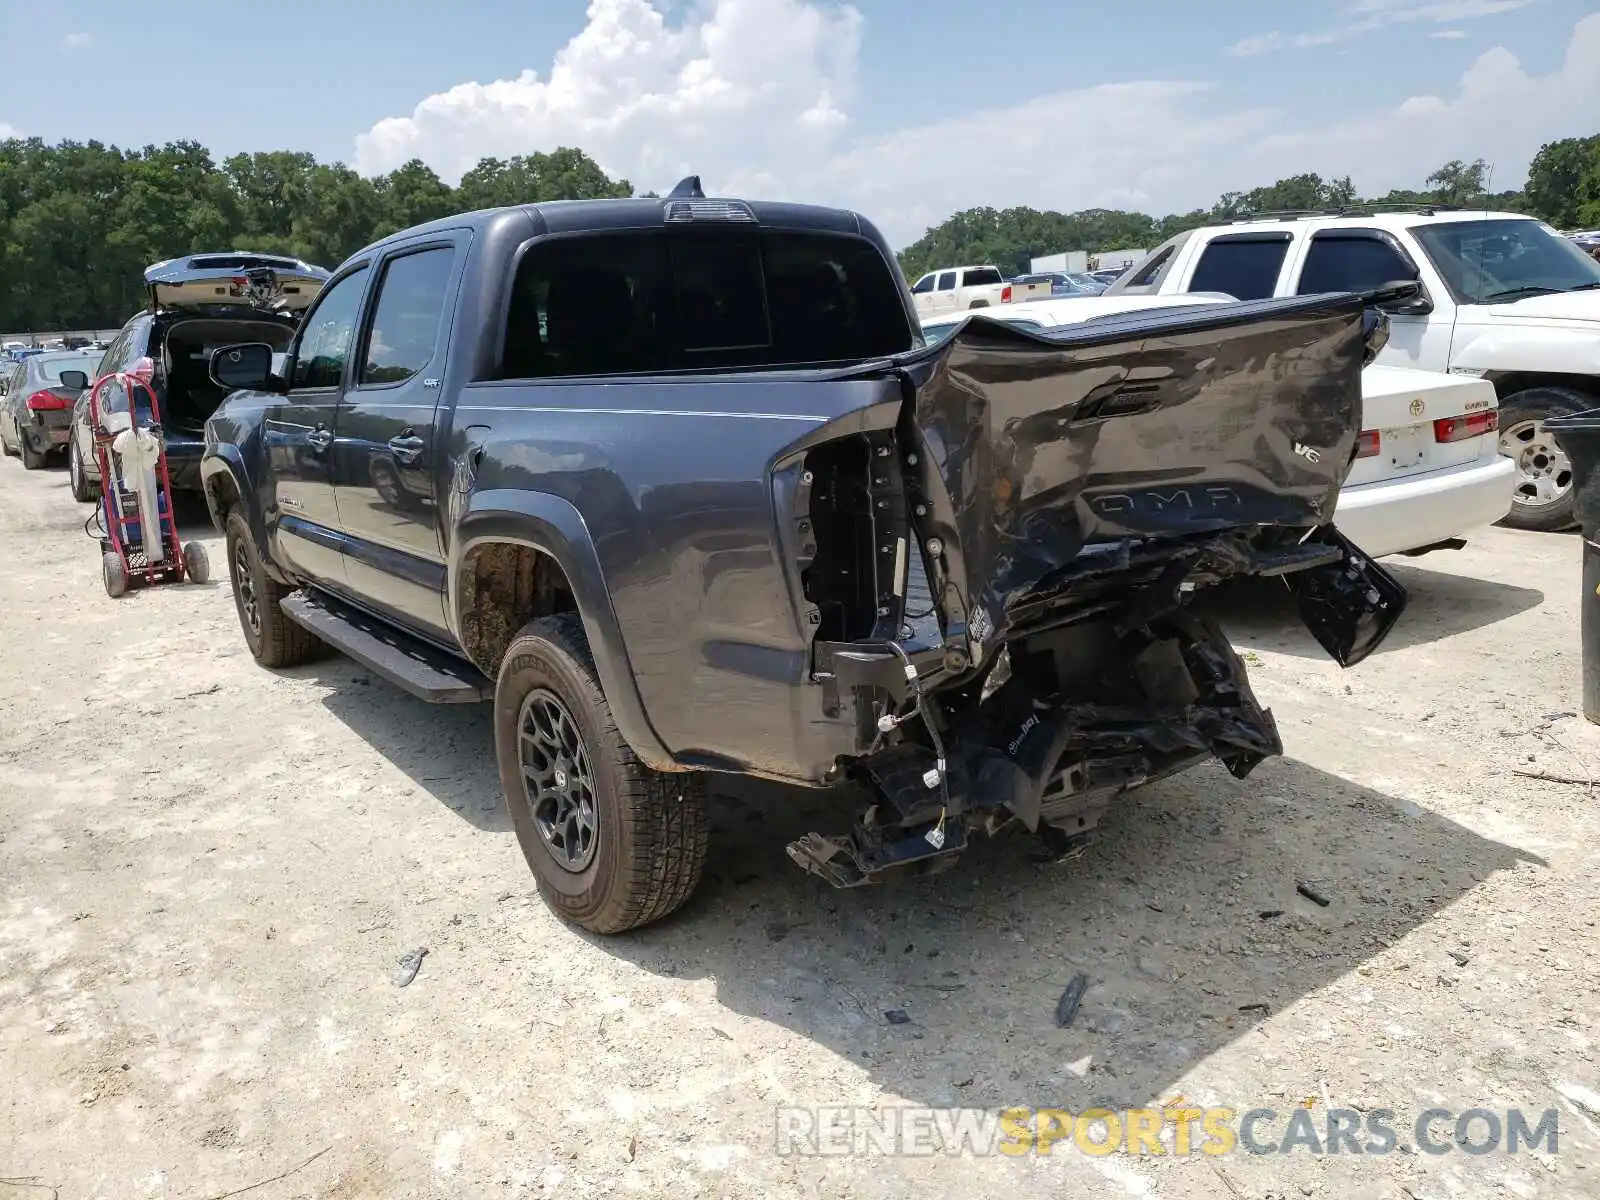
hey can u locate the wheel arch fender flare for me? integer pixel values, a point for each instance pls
(552, 526)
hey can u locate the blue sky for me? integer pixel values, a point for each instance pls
(917, 107)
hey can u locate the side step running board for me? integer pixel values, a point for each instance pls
(410, 663)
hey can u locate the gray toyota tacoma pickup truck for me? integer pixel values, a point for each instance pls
(676, 484)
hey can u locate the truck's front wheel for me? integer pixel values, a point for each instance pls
(274, 640)
(1543, 500)
(613, 844)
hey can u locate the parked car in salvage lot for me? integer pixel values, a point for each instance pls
(678, 526)
(196, 304)
(956, 289)
(36, 407)
(1502, 297)
(1428, 468)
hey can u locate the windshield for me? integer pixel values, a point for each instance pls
(1507, 259)
(50, 366)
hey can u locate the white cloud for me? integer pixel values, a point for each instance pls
(755, 97)
(1448, 35)
(769, 79)
(74, 42)
(1367, 16)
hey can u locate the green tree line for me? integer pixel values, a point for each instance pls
(1563, 187)
(80, 221)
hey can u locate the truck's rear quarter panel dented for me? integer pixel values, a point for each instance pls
(674, 483)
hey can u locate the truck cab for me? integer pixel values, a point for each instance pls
(1502, 297)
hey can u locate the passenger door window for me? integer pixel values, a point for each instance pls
(1357, 260)
(947, 282)
(110, 360)
(923, 285)
(328, 332)
(406, 316)
(1245, 266)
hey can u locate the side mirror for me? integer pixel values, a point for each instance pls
(245, 366)
(74, 381)
(1402, 298)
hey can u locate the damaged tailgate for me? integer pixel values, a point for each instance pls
(1044, 451)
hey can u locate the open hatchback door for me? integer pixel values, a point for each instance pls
(1035, 512)
(235, 279)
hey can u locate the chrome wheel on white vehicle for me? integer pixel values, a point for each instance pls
(1543, 499)
(1544, 473)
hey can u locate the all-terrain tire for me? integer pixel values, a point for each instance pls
(651, 827)
(274, 640)
(1520, 410)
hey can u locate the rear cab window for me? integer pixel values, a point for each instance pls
(1246, 266)
(655, 302)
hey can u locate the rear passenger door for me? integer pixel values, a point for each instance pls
(388, 468)
(944, 293)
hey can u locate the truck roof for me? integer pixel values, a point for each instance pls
(644, 212)
(1396, 219)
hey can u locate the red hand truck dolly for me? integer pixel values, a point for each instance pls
(138, 529)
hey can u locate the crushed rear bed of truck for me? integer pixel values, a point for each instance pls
(997, 558)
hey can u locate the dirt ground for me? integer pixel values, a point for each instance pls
(208, 872)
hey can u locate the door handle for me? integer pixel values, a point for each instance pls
(320, 438)
(407, 447)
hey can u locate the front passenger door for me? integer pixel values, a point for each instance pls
(302, 520)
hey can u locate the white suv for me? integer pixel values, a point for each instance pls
(1504, 298)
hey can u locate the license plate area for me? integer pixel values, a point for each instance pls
(1405, 449)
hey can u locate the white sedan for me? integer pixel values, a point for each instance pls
(1428, 470)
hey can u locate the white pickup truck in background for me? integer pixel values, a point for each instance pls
(1504, 298)
(957, 289)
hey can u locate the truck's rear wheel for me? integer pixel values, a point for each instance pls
(613, 844)
(1543, 500)
(274, 640)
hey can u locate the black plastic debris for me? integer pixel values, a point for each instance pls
(1067, 1006)
(897, 1016)
(1312, 894)
(405, 970)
